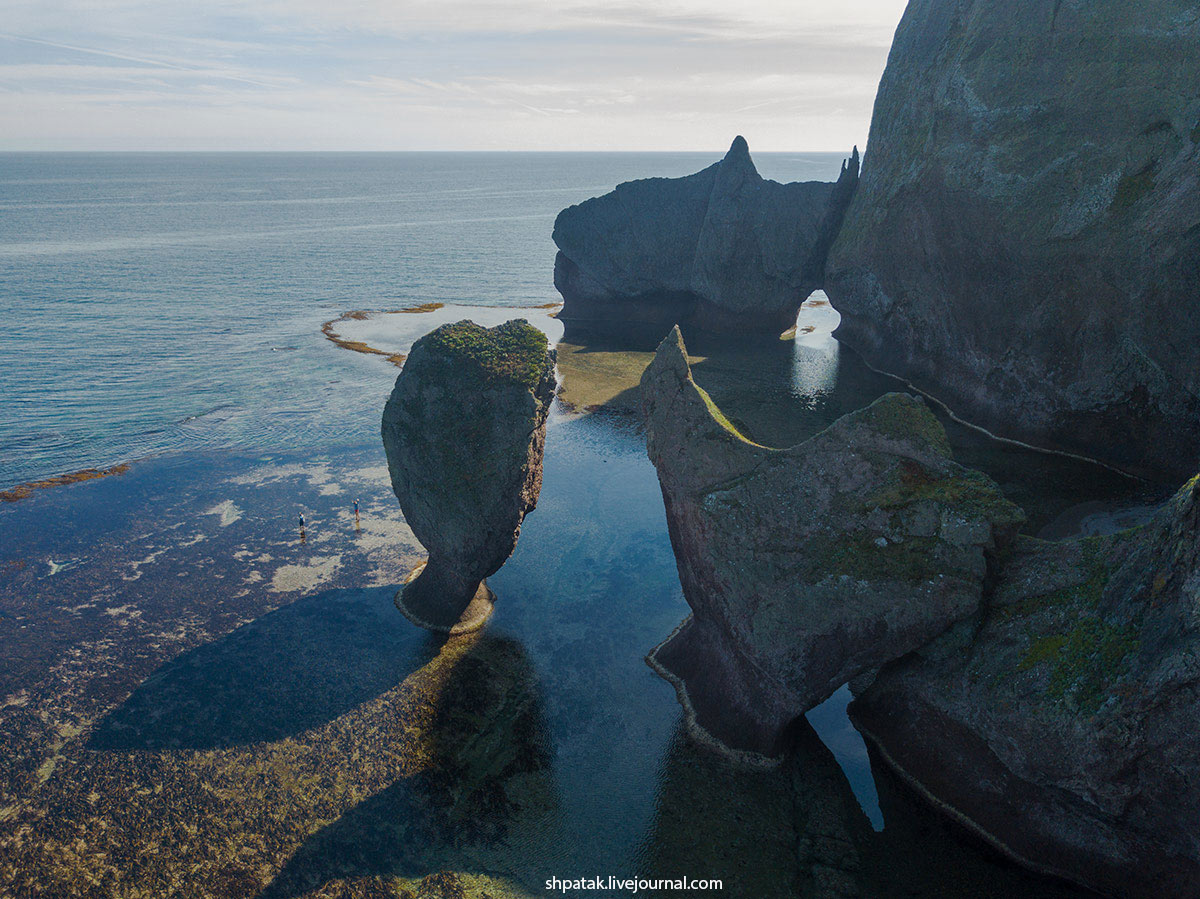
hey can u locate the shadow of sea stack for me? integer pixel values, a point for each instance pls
(464, 431)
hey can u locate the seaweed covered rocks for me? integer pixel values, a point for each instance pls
(464, 431)
(805, 567)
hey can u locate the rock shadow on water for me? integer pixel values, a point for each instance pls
(291, 670)
(481, 801)
(797, 830)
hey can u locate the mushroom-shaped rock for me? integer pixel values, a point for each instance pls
(805, 567)
(464, 431)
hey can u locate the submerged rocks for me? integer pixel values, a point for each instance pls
(1063, 729)
(1025, 239)
(722, 250)
(464, 431)
(807, 566)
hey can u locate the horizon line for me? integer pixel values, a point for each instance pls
(722, 151)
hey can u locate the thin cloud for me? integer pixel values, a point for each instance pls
(435, 74)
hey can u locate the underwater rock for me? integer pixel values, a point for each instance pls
(807, 566)
(1025, 237)
(464, 431)
(721, 250)
(1063, 728)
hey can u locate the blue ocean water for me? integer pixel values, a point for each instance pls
(170, 305)
(170, 302)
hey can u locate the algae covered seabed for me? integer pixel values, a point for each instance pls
(196, 701)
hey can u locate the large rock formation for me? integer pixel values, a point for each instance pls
(1063, 728)
(807, 566)
(722, 250)
(1025, 241)
(464, 431)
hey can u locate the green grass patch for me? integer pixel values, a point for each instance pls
(901, 417)
(514, 351)
(860, 557)
(715, 411)
(968, 493)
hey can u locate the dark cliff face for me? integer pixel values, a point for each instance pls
(1062, 726)
(806, 566)
(1025, 242)
(723, 250)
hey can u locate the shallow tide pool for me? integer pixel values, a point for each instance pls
(186, 672)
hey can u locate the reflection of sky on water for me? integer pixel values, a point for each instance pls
(815, 372)
(833, 726)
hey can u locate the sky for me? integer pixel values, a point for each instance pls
(789, 75)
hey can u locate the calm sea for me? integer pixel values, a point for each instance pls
(168, 302)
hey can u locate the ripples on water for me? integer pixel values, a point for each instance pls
(169, 303)
(164, 302)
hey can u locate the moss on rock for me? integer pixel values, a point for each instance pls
(514, 351)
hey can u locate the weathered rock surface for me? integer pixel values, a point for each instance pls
(807, 566)
(1025, 241)
(1064, 727)
(722, 250)
(464, 431)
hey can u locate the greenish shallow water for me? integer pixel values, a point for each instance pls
(173, 625)
(195, 701)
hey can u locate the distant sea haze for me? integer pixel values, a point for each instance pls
(172, 302)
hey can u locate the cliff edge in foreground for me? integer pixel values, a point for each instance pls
(805, 567)
(1062, 727)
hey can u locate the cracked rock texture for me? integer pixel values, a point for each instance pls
(1062, 727)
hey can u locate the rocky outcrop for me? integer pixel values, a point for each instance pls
(722, 250)
(1025, 240)
(1063, 727)
(464, 431)
(807, 566)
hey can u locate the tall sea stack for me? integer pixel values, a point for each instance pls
(464, 431)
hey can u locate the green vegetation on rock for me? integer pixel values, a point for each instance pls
(968, 492)
(514, 351)
(862, 557)
(715, 411)
(902, 417)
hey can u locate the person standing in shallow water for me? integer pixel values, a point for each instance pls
(356, 524)
(302, 535)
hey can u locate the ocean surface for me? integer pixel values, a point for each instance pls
(166, 302)
(167, 310)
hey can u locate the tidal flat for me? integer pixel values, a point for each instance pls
(199, 701)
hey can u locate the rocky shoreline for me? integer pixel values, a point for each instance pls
(1039, 692)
